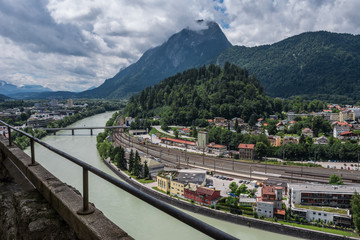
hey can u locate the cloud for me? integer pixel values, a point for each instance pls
(73, 45)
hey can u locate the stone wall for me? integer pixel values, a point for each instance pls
(238, 219)
(34, 214)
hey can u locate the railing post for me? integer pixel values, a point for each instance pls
(86, 208)
(33, 163)
(9, 133)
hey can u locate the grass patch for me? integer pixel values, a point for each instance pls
(140, 180)
(156, 188)
(326, 209)
(321, 229)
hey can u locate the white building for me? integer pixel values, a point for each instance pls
(265, 209)
(340, 127)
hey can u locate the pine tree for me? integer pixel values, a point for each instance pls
(146, 171)
(123, 162)
(131, 161)
(136, 169)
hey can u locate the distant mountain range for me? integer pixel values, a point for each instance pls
(313, 64)
(14, 91)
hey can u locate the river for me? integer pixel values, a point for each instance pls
(138, 219)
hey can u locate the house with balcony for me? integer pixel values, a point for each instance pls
(340, 127)
(275, 141)
(307, 132)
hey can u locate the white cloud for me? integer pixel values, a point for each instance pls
(72, 45)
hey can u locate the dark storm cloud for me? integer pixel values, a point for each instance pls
(29, 24)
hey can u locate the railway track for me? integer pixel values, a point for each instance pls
(181, 159)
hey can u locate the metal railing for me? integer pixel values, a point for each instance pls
(183, 217)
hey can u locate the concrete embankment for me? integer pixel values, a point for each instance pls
(50, 210)
(238, 219)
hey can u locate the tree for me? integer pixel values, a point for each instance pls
(176, 133)
(137, 165)
(241, 190)
(260, 150)
(335, 180)
(233, 187)
(355, 208)
(146, 171)
(131, 161)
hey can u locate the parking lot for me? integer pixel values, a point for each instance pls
(222, 183)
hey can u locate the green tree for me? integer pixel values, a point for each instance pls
(260, 150)
(137, 165)
(146, 171)
(335, 180)
(355, 208)
(233, 187)
(242, 189)
(176, 133)
(131, 161)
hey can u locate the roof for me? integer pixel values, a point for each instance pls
(178, 141)
(342, 124)
(348, 133)
(191, 177)
(246, 146)
(327, 188)
(279, 124)
(206, 191)
(307, 130)
(279, 211)
(216, 146)
(268, 190)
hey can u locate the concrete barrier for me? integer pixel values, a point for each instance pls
(63, 198)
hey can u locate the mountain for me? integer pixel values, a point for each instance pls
(314, 64)
(185, 49)
(203, 93)
(3, 97)
(45, 95)
(12, 90)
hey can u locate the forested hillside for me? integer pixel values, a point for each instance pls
(319, 65)
(207, 92)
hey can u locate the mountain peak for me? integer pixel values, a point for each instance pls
(191, 47)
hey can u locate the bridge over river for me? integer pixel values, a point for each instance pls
(72, 129)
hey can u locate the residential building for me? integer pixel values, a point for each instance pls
(280, 126)
(346, 116)
(316, 215)
(348, 135)
(163, 181)
(177, 188)
(200, 194)
(321, 140)
(217, 149)
(270, 202)
(203, 139)
(307, 132)
(334, 117)
(290, 139)
(340, 127)
(246, 151)
(321, 194)
(274, 140)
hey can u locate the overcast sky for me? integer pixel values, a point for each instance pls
(76, 44)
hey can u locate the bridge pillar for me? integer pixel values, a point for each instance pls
(72, 132)
(91, 132)
(54, 132)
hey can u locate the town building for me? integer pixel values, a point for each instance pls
(246, 151)
(322, 140)
(275, 141)
(200, 194)
(177, 142)
(270, 202)
(316, 215)
(138, 132)
(340, 127)
(290, 139)
(348, 135)
(346, 116)
(307, 132)
(280, 126)
(216, 149)
(203, 139)
(321, 194)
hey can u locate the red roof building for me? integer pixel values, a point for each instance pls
(201, 194)
(246, 151)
